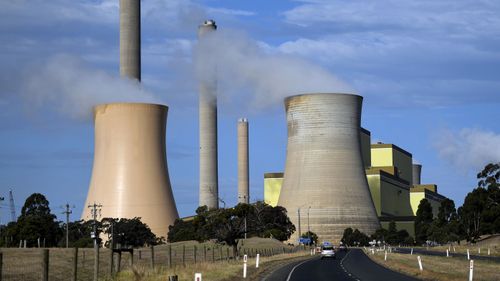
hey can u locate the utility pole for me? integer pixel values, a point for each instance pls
(12, 207)
(1, 199)
(308, 229)
(67, 213)
(298, 213)
(94, 209)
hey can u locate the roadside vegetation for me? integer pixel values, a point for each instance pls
(438, 268)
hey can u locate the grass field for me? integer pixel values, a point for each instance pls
(473, 249)
(438, 268)
(26, 264)
(225, 271)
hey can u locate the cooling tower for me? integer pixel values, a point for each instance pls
(416, 171)
(130, 39)
(209, 191)
(130, 174)
(324, 176)
(243, 170)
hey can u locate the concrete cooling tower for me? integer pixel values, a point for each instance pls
(324, 177)
(130, 174)
(209, 188)
(243, 169)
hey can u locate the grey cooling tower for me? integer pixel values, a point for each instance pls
(417, 171)
(324, 174)
(130, 39)
(209, 191)
(243, 170)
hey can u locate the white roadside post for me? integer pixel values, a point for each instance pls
(468, 254)
(454, 249)
(411, 252)
(197, 277)
(257, 261)
(479, 250)
(385, 256)
(471, 270)
(447, 253)
(245, 259)
(420, 263)
(488, 251)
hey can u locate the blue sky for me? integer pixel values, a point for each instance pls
(428, 70)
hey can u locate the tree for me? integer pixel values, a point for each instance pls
(354, 237)
(267, 221)
(182, 231)
(37, 222)
(423, 221)
(79, 234)
(129, 232)
(228, 225)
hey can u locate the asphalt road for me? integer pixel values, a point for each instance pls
(442, 254)
(351, 265)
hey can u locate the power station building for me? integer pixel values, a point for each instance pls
(394, 184)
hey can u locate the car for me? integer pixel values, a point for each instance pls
(342, 248)
(327, 252)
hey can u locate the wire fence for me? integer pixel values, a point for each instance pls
(32, 264)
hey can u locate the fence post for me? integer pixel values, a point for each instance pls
(132, 258)
(227, 254)
(220, 253)
(45, 265)
(152, 256)
(75, 264)
(184, 255)
(96, 261)
(213, 254)
(194, 249)
(169, 256)
(119, 262)
(204, 252)
(111, 262)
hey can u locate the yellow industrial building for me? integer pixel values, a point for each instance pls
(396, 192)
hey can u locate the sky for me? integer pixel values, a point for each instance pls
(429, 72)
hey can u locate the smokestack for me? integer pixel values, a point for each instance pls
(417, 172)
(130, 173)
(243, 183)
(209, 191)
(130, 39)
(324, 177)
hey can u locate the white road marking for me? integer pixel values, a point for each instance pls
(291, 272)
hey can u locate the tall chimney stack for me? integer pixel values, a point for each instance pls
(130, 39)
(243, 183)
(417, 171)
(209, 190)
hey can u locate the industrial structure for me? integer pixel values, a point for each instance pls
(243, 162)
(324, 172)
(209, 190)
(130, 172)
(393, 180)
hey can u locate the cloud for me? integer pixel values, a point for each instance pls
(66, 84)
(247, 73)
(468, 149)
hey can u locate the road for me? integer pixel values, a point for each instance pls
(351, 265)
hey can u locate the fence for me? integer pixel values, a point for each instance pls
(56, 264)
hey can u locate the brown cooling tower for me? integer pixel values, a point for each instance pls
(130, 174)
(324, 180)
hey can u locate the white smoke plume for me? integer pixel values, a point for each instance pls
(250, 74)
(73, 88)
(469, 149)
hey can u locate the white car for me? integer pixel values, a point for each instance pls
(327, 252)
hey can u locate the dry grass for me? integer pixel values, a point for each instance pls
(438, 268)
(226, 270)
(25, 264)
(473, 249)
